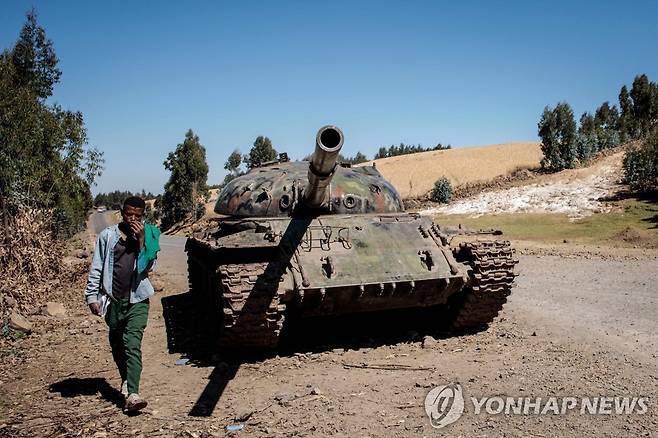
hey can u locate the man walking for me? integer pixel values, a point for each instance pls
(118, 287)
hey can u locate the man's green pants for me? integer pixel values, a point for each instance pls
(127, 323)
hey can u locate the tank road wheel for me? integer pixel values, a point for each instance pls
(492, 276)
(253, 314)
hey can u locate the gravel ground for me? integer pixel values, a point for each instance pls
(573, 327)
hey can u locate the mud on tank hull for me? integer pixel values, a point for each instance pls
(252, 271)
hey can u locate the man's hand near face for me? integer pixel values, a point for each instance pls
(132, 218)
(137, 228)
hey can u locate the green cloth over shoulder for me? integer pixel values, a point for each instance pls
(151, 247)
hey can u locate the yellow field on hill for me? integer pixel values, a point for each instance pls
(414, 175)
(212, 200)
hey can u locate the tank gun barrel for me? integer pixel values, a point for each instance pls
(321, 169)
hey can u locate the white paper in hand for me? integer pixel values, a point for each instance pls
(104, 302)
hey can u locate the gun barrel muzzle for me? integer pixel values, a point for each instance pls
(328, 143)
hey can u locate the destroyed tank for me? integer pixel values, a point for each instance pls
(320, 238)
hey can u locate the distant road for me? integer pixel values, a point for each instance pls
(172, 258)
(172, 262)
(99, 221)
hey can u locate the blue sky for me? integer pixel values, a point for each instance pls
(385, 72)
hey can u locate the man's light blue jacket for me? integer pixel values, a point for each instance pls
(102, 265)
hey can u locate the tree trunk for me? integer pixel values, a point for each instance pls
(6, 241)
(194, 201)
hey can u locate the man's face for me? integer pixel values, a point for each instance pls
(132, 214)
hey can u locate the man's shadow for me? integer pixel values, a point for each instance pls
(75, 387)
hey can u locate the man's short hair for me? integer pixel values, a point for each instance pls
(134, 201)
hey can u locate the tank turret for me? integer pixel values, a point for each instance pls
(321, 185)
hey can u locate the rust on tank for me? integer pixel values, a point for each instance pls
(315, 238)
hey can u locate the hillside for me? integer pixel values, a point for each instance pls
(414, 175)
(572, 192)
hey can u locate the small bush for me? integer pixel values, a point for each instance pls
(442, 191)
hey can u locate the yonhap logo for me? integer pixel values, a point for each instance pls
(444, 405)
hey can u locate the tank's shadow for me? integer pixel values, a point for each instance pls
(193, 336)
(366, 330)
(187, 327)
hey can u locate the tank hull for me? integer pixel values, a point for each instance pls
(254, 271)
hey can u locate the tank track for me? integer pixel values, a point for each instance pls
(492, 277)
(252, 312)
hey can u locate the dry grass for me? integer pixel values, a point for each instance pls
(32, 265)
(414, 175)
(210, 205)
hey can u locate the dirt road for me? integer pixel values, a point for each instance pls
(98, 221)
(573, 327)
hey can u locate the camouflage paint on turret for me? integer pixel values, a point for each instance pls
(275, 190)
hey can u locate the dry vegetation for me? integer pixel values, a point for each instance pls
(212, 199)
(34, 266)
(413, 175)
(27, 257)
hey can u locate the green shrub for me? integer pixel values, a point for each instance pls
(641, 165)
(442, 191)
